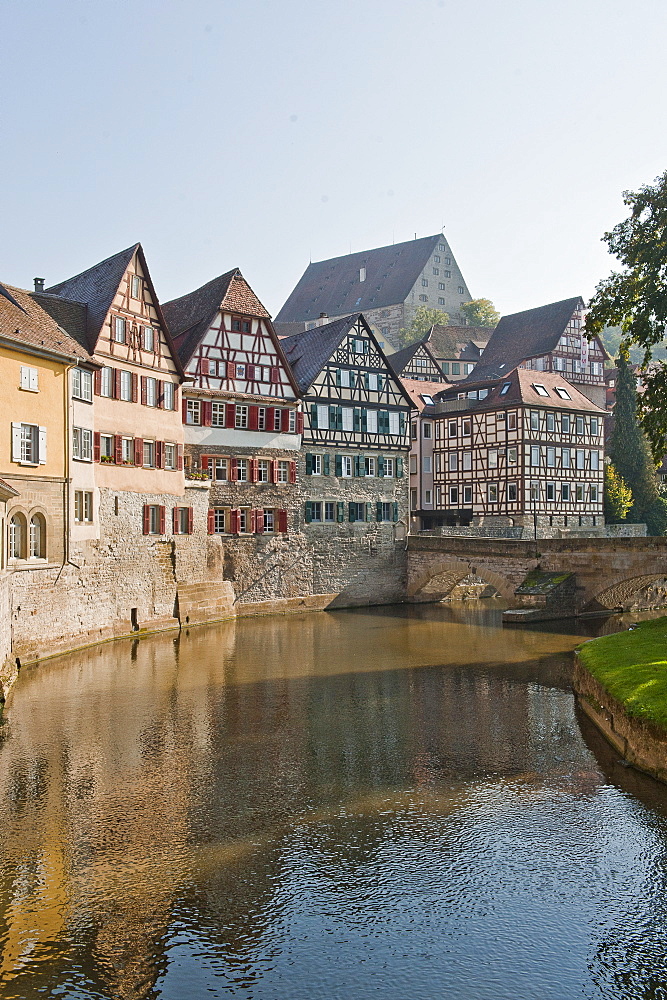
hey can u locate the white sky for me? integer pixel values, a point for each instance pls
(259, 134)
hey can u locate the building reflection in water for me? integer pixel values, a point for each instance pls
(197, 812)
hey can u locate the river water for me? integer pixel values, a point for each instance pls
(397, 802)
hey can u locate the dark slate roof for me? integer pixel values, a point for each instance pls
(400, 360)
(97, 287)
(528, 334)
(23, 320)
(333, 286)
(71, 316)
(458, 343)
(308, 352)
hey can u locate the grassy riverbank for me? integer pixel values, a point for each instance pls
(632, 667)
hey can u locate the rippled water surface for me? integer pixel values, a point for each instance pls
(397, 803)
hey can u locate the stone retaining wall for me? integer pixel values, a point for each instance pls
(642, 744)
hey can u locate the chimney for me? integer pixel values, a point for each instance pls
(39, 284)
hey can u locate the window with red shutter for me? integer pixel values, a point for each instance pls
(163, 519)
(191, 519)
(159, 454)
(284, 420)
(135, 387)
(253, 521)
(259, 521)
(274, 471)
(234, 521)
(116, 383)
(144, 390)
(275, 375)
(253, 417)
(233, 469)
(250, 373)
(270, 418)
(211, 521)
(138, 451)
(231, 369)
(292, 472)
(207, 410)
(299, 422)
(254, 470)
(282, 521)
(160, 394)
(184, 410)
(96, 446)
(147, 519)
(97, 382)
(118, 449)
(174, 520)
(203, 366)
(179, 458)
(230, 415)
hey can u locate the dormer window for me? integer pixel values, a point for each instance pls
(540, 389)
(562, 392)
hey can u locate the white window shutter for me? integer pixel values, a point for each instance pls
(25, 377)
(41, 448)
(33, 379)
(16, 442)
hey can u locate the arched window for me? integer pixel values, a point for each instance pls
(17, 537)
(37, 537)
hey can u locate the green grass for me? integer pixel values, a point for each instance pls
(632, 667)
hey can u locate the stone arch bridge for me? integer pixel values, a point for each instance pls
(608, 571)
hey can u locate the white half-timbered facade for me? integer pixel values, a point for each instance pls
(525, 451)
(356, 428)
(240, 410)
(418, 363)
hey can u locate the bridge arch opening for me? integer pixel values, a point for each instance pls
(438, 581)
(631, 594)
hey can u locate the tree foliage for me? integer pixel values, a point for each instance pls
(635, 298)
(631, 456)
(480, 312)
(422, 320)
(617, 496)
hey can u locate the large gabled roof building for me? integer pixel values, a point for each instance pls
(387, 284)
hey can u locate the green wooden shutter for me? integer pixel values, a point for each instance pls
(352, 511)
(395, 517)
(401, 421)
(339, 465)
(339, 418)
(380, 466)
(313, 415)
(357, 459)
(332, 417)
(366, 380)
(309, 465)
(309, 512)
(325, 465)
(340, 511)
(356, 421)
(380, 383)
(338, 376)
(369, 511)
(378, 511)
(399, 468)
(364, 421)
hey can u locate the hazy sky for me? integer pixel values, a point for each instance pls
(223, 133)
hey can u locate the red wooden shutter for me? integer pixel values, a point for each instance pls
(174, 520)
(299, 422)
(230, 415)
(253, 521)
(191, 518)
(96, 446)
(250, 373)
(144, 390)
(97, 382)
(175, 397)
(135, 387)
(163, 519)
(253, 417)
(275, 375)
(234, 521)
(259, 521)
(269, 418)
(185, 410)
(118, 449)
(138, 451)
(282, 521)
(206, 412)
(179, 459)
(116, 383)
(203, 366)
(147, 519)
(274, 471)
(211, 521)
(160, 394)
(159, 454)
(233, 469)
(231, 369)
(254, 470)
(292, 472)
(284, 420)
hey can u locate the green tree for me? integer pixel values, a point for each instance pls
(422, 320)
(631, 456)
(480, 312)
(635, 297)
(617, 495)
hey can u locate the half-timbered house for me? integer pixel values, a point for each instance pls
(417, 362)
(357, 427)
(526, 450)
(550, 338)
(241, 412)
(422, 507)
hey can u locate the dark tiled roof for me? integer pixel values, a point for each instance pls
(72, 316)
(333, 286)
(289, 329)
(416, 389)
(190, 316)
(97, 287)
(521, 390)
(308, 352)
(458, 343)
(23, 320)
(528, 334)
(400, 360)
